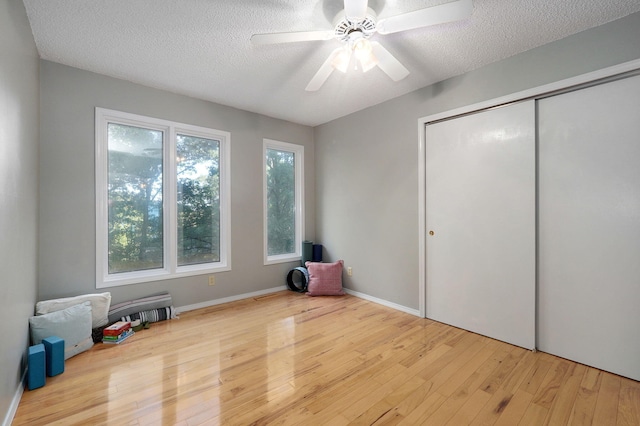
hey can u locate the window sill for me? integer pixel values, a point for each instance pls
(274, 260)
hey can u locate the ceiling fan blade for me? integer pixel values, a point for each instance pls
(292, 37)
(388, 63)
(355, 10)
(435, 15)
(323, 73)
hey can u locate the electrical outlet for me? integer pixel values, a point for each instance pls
(212, 280)
(349, 271)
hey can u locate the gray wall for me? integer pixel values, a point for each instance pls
(67, 202)
(18, 192)
(367, 162)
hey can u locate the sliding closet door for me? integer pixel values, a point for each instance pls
(480, 216)
(589, 226)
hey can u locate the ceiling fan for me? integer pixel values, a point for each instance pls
(355, 25)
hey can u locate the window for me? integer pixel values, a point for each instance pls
(283, 201)
(162, 199)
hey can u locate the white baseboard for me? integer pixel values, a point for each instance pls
(229, 299)
(214, 302)
(8, 418)
(383, 302)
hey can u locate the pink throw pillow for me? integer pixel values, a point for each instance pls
(325, 279)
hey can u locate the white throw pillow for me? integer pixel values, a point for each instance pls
(100, 304)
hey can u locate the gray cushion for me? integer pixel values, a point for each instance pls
(72, 324)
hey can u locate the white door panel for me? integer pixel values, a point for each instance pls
(589, 226)
(480, 205)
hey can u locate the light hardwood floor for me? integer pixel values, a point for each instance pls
(291, 359)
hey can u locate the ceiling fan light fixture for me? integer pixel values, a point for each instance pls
(363, 52)
(368, 62)
(342, 59)
(362, 48)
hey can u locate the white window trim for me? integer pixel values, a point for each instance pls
(298, 151)
(170, 230)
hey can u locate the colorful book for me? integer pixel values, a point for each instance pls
(119, 336)
(116, 328)
(114, 340)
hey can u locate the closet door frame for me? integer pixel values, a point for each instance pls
(534, 93)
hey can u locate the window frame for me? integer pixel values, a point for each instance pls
(170, 129)
(298, 151)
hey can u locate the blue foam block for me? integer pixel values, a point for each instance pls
(35, 367)
(54, 349)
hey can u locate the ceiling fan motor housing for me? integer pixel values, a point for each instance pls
(345, 27)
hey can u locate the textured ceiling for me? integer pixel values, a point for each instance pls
(201, 48)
